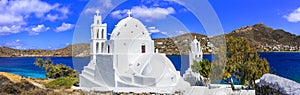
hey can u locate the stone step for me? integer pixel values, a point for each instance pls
(87, 73)
(88, 81)
(89, 69)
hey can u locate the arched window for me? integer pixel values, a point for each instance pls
(98, 22)
(143, 49)
(98, 33)
(97, 47)
(102, 34)
(102, 47)
(108, 49)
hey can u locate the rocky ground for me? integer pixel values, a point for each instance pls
(16, 85)
(12, 84)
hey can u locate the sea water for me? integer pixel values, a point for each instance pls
(285, 64)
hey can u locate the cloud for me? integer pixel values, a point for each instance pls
(176, 1)
(7, 30)
(294, 16)
(153, 30)
(102, 6)
(181, 32)
(16, 11)
(92, 10)
(17, 44)
(145, 13)
(165, 33)
(119, 13)
(14, 14)
(38, 29)
(51, 17)
(64, 27)
(7, 18)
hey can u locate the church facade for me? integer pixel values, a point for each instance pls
(127, 59)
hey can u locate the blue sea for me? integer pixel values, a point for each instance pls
(285, 64)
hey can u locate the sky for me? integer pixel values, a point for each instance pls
(54, 24)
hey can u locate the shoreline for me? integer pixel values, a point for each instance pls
(167, 55)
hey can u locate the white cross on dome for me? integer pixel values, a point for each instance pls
(129, 13)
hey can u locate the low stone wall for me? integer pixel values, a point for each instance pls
(270, 84)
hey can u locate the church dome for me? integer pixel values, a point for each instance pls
(130, 28)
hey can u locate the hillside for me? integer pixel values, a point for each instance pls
(82, 50)
(264, 38)
(260, 36)
(179, 44)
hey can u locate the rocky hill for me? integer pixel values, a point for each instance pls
(264, 38)
(179, 44)
(260, 36)
(80, 50)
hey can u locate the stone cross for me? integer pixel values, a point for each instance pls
(97, 12)
(129, 13)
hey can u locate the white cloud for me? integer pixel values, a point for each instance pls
(17, 44)
(7, 18)
(294, 16)
(15, 13)
(176, 1)
(51, 17)
(106, 3)
(64, 27)
(38, 29)
(27, 7)
(176, 33)
(92, 10)
(153, 30)
(118, 14)
(63, 10)
(7, 30)
(165, 33)
(181, 32)
(145, 13)
(102, 6)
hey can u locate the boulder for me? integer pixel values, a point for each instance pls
(270, 84)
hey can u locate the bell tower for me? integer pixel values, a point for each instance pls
(98, 36)
(195, 52)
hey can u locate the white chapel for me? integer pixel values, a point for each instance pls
(195, 54)
(128, 59)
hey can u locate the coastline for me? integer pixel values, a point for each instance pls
(66, 56)
(280, 52)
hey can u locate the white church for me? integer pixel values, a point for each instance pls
(129, 60)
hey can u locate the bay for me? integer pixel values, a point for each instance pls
(285, 64)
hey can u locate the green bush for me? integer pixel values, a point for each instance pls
(67, 82)
(55, 71)
(203, 67)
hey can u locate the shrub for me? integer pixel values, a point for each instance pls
(62, 82)
(203, 67)
(55, 71)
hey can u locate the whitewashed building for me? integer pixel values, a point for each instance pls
(127, 59)
(196, 54)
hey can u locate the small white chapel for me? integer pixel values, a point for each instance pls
(128, 59)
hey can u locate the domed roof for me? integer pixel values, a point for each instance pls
(130, 28)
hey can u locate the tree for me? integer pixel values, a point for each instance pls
(244, 62)
(203, 67)
(44, 64)
(55, 71)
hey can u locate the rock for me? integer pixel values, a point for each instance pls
(270, 84)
